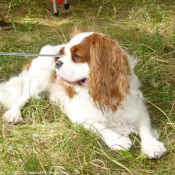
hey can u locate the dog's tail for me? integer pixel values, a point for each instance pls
(11, 90)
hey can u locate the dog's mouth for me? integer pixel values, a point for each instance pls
(80, 82)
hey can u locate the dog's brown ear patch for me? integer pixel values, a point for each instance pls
(77, 31)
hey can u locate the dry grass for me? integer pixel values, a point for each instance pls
(48, 142)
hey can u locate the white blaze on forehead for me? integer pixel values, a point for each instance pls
(77, 39)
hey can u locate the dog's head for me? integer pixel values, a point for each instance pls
(95, 61)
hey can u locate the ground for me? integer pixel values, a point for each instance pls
(49, 143)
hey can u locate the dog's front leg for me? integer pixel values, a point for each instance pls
(149, 143)
(13, 115)
(113, 140)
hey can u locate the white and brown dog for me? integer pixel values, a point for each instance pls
(94, 83)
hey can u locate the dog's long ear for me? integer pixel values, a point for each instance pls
(109, 68)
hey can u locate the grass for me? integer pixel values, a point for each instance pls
(49, 143)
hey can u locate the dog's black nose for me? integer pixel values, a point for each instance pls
(59, 64)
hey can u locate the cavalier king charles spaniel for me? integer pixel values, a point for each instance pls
(94, 84)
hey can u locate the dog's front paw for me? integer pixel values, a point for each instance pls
(13, 116)
(153, 148)
(118, 142)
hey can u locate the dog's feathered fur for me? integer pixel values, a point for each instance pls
(94, 84)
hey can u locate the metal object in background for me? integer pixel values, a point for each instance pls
(55, 8)
(28, 54)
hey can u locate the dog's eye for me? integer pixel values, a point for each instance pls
(75, 57)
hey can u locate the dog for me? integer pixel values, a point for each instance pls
(94, 84)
